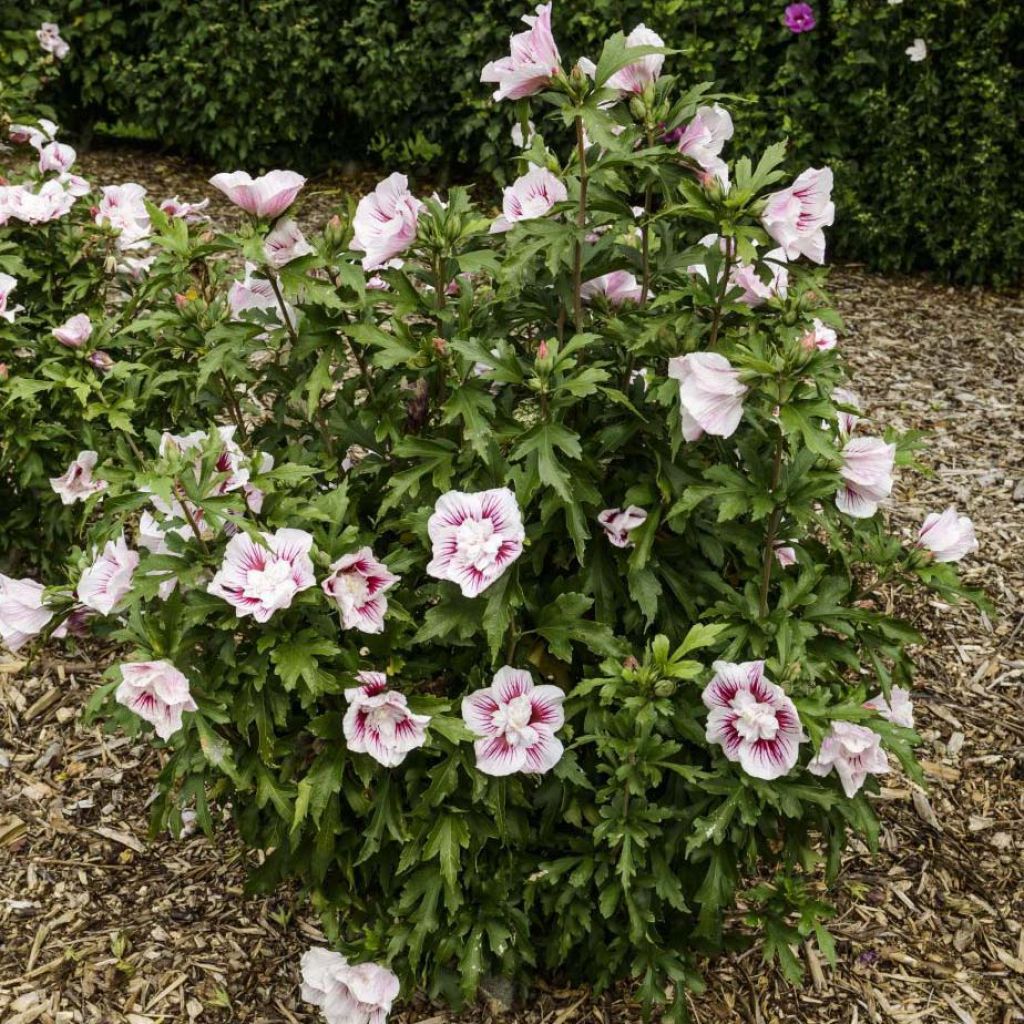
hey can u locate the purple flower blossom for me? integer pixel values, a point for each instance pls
(800, 18)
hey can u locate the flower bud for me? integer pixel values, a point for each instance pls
(664, 688)
(542, 350)
(180, 300)
(440, 346)
(101, 360)
(4, 372)
(110, 265)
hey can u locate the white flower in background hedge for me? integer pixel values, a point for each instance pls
(74, 332)
(23, 612)
(898, 709)
(617, 287)
(109, 578)
(269, 195)
(378, 721)
(260, 579)
(475, 537)
(703, 139)
(948, 536)
(820, 337)
(532, 62)
(517, 135)
(710, 394)
(796, 217)
(285, 243)
(50, 40)
(530, 196)
(77, 483)
(917, 51)
(347, 993)
(619, 523)
(867, 476)
(157, 692)
(7, 285)
(752, 719)
(516, 722)
(635, 77)
(385, 222)
(123, 208)
(358, 584)
(854, 752)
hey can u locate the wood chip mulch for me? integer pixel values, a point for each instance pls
(99, 924)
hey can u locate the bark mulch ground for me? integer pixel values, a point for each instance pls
(100, 924)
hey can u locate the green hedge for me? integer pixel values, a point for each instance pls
(926, 154)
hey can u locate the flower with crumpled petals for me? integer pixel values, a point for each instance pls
(347, 993)
(819, 337)
(123, 208)
(385, 222)
(191, 213)
(74, 332)
(109, 578)
(50, 40)
(854, 752)
(619, 523)
(157, 692)
(23, 611)
(797, 216)
(378, 721)
(285, 243)
(617, 287)
(7, 285)
(358, 584)
(898, 709)
(703, 139)
(77, 483)
(710, 394)
(947, 536)
(530, 196)
(516, 724)
(532, 63)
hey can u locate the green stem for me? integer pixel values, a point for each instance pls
(771, 534)
(272, 278)
(581, 222)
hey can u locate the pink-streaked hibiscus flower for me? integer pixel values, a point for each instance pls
(157, 692)
(785, 554)
(635, 77)
(385, 222)
(948, 536)
(77, 482)
(7, 285)
(710, 394)
(475, 537)
(378, 721)
(867, 476)
(74, 332)
(358, 584)
(516, 722)
(254, 293)
(347, 993)
(285, 243)
(755, 289)
(123, 208)
(57, 157)
(617, 287)
(36, 137)
(260, 579)
(820, 337)
(618, 523)
(50, 203)
(269, 195)
(796, 217)
(532, 63)
(152, 536)
(898, 709)
(23, 611)
(752, 719)
(109, 578)
(846, 421)
(703, 139)
(528, 197)
(191, 213)
(854, 751)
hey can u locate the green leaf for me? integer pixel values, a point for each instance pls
(561, 623)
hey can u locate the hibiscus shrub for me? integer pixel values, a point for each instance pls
(521, 596)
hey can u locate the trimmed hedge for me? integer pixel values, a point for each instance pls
(926, 154)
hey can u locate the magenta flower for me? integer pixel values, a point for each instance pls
(75, 332)
(23, 611)
(797, 216)
(109, 578)
(800, 18)
(898, 709)
(285, 243)
(385, 221)
(635, 77)
(947, 536)
(532, 62)
(269, 195)
(347, 993)
(619, 523)
(867, 476)
(617, 287)
(528, 197)
(378, 721)
(516, 722)
(854, 751)
(260, 579)
(703, 139)
(358, 584)
(475, 537)
(710, 394)
(77, 482)
(157, 692)
(752, 719)
(7, 285)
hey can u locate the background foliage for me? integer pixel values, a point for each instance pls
(925, 153)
